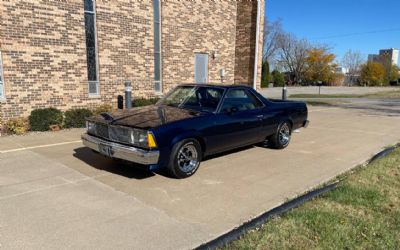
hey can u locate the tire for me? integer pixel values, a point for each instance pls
(185, 158)
(281, 138)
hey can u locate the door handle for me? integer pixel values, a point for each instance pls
(260, 116)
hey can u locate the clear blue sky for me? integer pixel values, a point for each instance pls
(339, 23)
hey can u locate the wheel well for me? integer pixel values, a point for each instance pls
(202, 143)
(290, 122)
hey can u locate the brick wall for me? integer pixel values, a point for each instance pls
(44, 51)
(245, 42)
(125, 44)
(43, 55)
(193, 26)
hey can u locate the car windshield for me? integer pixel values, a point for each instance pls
(199, 98)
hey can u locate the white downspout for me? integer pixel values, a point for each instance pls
(257, 42)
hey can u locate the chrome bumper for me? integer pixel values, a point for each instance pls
(116, 150)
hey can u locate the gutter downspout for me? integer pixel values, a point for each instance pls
(257, 42)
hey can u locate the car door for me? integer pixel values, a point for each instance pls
(238, 123)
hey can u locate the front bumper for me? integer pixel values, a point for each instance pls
(119, 151)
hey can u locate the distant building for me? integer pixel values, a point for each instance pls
(391, 54)
(385, 55)
(341, 70)
(373, 58)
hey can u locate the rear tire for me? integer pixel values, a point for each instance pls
(185, 158)
(281, 138)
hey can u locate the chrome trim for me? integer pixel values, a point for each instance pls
(141, 156)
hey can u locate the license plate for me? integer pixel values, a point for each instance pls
(105, 150)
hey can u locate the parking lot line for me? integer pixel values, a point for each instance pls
(39, 146)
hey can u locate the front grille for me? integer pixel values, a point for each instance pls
(102, 131)
(120, 134)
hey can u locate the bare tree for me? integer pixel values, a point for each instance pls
(271, 32)
(353, 60)
(292, 55)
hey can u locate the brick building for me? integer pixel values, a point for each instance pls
(78, 53)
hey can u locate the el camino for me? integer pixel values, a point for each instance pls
(191, 122)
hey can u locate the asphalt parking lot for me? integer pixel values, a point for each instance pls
(56, 194)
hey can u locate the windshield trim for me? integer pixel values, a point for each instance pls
(195, 88)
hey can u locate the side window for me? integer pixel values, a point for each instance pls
(257, 103)
(240, 99)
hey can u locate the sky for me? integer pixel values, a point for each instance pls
(363, 25)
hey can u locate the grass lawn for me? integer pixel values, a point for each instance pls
(385, 94)
(362, 213)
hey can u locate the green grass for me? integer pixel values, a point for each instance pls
(385, 94)
(362, 213)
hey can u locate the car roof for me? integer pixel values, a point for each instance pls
(225, 86)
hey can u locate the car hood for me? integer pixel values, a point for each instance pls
(145, 117)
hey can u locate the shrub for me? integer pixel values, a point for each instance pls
(104, 108)
(2, 126)
(265, 75)
(139, 102)
(278, 78)
(41, 119)
(75, 118)
(18, 126)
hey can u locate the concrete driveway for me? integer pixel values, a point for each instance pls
(56, 194)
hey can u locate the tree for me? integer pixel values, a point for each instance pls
(272, 30)
(391, 73)
(320, 65)
(372, 73)
(292, 55)
(394, 74)
(352, 60)
(278, 78)
(265, 75)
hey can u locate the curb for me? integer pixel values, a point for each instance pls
(236, 233)
(258, 221)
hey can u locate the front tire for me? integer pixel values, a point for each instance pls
(281, 138)
(185, 158)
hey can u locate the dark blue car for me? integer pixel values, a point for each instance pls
(192, 122)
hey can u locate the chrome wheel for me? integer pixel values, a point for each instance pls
(188, 158)
(284, 134)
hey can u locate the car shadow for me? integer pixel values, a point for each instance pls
(137, 171)
(122, 168)
(236, 150)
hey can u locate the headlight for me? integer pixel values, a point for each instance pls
(142, 138)
(138, 138)
(91, 127)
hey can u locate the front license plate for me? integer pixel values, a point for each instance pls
(105, 150)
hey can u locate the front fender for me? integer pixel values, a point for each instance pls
(186, 135)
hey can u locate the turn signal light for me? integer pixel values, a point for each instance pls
(151, 141)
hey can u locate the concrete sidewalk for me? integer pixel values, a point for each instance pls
(54, 193)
